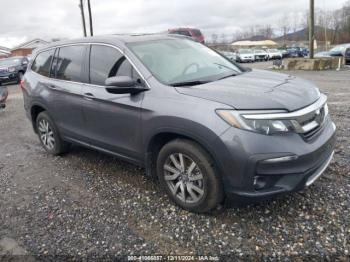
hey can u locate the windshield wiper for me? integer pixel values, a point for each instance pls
(189, 83)
(227, 67)
(227, 76)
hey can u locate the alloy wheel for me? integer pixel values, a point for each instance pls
(46, 134)
(184, 178)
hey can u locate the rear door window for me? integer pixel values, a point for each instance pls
(69, 64)
(107, 62)
(42, 62)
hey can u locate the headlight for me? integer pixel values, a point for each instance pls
(11, 69)
(263, 126)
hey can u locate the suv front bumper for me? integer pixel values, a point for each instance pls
(251, 173)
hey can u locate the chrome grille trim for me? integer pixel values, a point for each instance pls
(320, 171)
(304, 120)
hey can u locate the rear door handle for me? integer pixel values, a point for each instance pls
(89, 96)
(51, 86)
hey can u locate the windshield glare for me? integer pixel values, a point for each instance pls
(9, 62)
(174, 61)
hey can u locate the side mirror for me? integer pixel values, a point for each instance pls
(123, 85)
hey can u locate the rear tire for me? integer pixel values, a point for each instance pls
(49, 136)
(188, 175)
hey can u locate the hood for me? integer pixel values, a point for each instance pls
(257, 90)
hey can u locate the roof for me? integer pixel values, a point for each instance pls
(35, 43)
(182, 28)
(255, 43)
(118, 39)
(5, 50)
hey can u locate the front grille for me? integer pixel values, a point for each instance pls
(312, 133)
(319, 117)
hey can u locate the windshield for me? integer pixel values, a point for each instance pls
(259, 51)
(272, 50)
(338, 48)
(174, 61)
(10, 62)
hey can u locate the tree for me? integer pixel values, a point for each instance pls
(284, 25)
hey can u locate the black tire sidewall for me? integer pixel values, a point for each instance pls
(212, 184)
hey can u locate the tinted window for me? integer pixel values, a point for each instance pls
(196, 32)
(106, 62)
(42, 62)
(185, 33)
(69, 63)
(347, 52)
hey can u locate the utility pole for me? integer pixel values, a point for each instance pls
(81, 6)
(90, 18)
(312, 28)
(325, 37)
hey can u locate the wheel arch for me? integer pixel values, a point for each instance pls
(35, 110)
(159, 139)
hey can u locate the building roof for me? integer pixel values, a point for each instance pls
(5, 50)
(32, 44)
(255, 43)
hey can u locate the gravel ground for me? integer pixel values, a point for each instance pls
(87, 204)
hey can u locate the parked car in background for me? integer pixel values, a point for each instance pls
(292, 52)
(339, 50)
(3, 96)
(297, 52)
(260, 55)
(284, 52)
(12, 69)
(245, 55)
(209, 130)
(230, 55)
(194, 33)
(274, 54)
(347, 56)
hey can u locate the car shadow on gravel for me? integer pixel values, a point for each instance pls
(119, 171)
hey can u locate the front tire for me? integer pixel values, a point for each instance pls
(49, 135)
(187, 174)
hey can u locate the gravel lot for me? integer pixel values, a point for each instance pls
(87, 204)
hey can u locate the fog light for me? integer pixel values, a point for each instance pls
(259, 182)
(280, 159)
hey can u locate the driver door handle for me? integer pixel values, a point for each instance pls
(89, 96)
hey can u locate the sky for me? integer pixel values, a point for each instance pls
(24, 20)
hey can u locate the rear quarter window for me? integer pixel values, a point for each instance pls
(42, 62)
